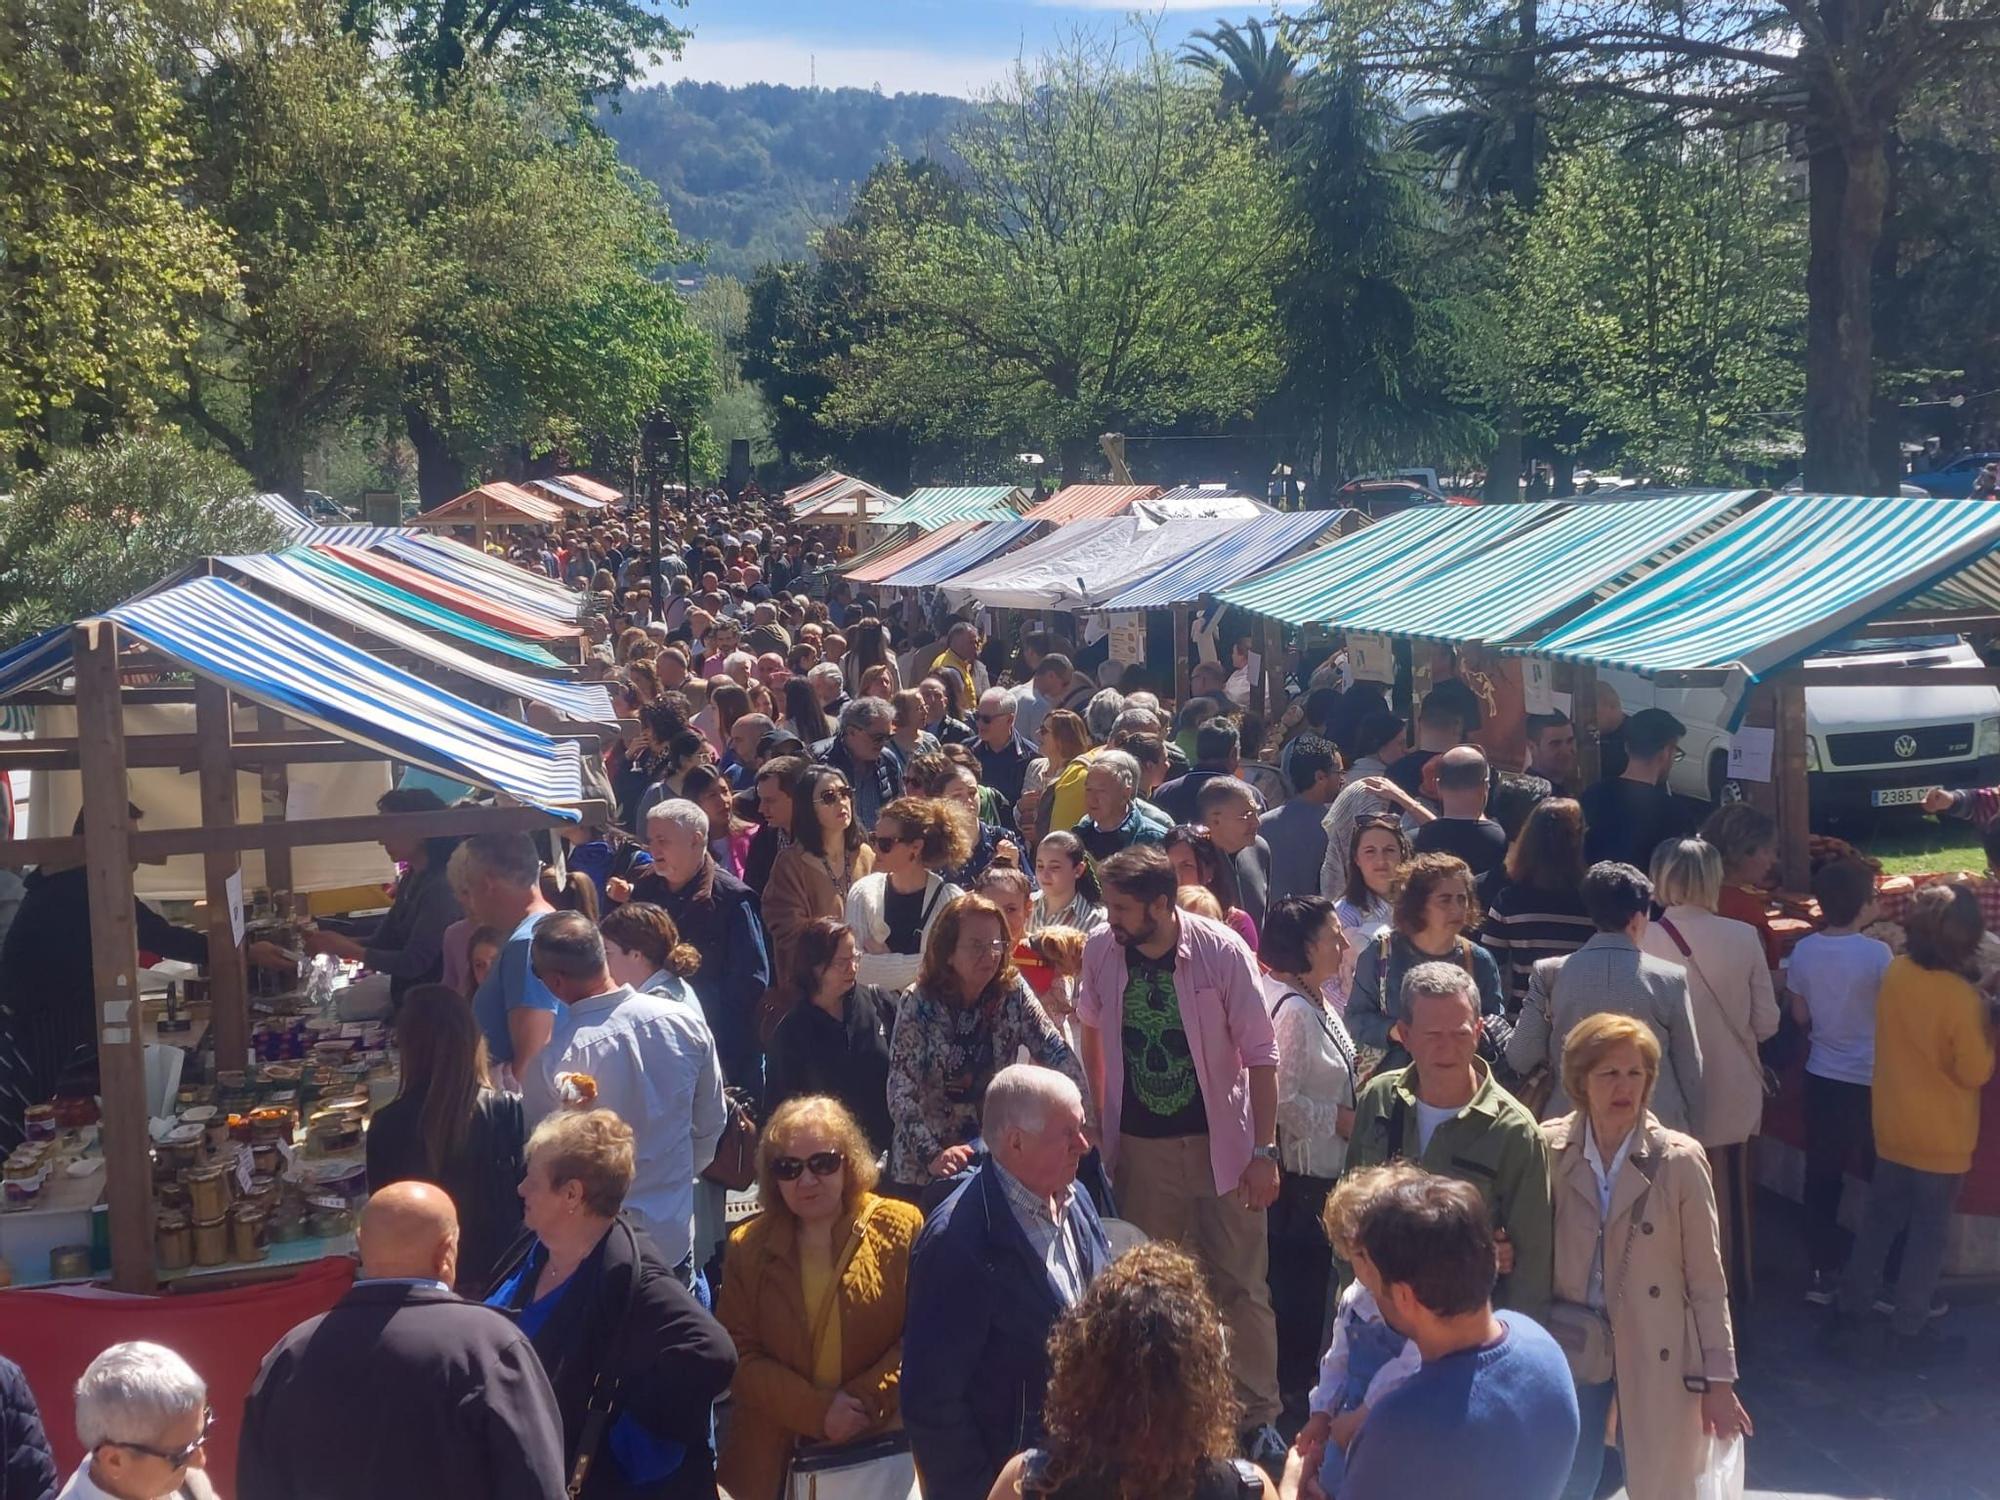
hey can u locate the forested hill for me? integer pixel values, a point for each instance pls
(752, 171)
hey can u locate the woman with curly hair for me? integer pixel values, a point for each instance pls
(969, 1016)
(1141, 1405)
(891, 908)
(1433, 901)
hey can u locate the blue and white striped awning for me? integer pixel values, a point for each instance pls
(226, 633)
(1796, 573)
(583, 702)
(567, 494)
(931, 508)
(1500, 593)
(1326, 586)
(470, 568)
(967, 552)
(349, 534)
(291, 521)
(1229, 558)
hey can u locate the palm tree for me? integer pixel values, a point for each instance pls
(1257, 69)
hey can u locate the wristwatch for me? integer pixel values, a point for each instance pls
(1268, 1153)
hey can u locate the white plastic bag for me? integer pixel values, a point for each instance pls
(1721, 1476)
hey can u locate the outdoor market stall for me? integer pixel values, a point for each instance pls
(902, 550)
(420, 611)
(928, 509)
(1089, 502)
(1079, 565)
(516, 619)
(494, 503)
(311, 699)
(961, 555)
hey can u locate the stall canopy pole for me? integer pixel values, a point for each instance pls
(229, 1012)
(277, 783)
(1181, 621)
(114, 956)
(1794, 820)
(1583, 718)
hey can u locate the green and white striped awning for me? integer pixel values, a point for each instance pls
(1502, 592)
(1343, 580)
(931, 508)
(1795, 574)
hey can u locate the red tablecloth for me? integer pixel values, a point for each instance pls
(224, 1335)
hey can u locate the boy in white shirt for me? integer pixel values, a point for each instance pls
(1833, 977)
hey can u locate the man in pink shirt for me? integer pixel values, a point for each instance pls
(1183, 1063)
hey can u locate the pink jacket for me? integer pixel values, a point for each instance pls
(1222, 1011)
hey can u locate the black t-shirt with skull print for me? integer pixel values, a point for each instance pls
(1162, 1090)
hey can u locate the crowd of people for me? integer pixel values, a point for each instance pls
(1129, 1089)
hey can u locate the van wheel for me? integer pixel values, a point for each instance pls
(1721, 789)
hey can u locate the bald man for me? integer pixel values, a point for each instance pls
(403, 1391)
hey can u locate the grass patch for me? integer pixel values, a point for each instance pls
(1921, 846)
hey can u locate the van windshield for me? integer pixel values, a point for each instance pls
(1900, 644)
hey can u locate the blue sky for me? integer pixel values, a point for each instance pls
(936, 46)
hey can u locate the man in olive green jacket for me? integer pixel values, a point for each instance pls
(1445, 1113)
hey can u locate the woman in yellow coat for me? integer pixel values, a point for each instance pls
(1636, 1246)
(813, 1296)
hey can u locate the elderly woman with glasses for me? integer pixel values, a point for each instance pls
(142, 1418)
(968, 1017)
(813, 1298)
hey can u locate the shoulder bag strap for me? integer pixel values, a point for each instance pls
(840, 1263)
(1694, 965)
(1334, 1034)
(604, 1388)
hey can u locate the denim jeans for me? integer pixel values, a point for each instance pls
(1593, 1406)
(1901, 1199)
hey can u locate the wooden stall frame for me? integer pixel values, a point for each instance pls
(109, 848)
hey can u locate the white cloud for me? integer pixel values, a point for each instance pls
(736, 58)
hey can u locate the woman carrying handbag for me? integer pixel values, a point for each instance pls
(813, 1296)
(1640, 1307)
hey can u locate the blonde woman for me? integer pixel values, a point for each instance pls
(813, 1298)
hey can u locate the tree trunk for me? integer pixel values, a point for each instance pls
(440, 475)
(1564, 464)
(1072, 455)
(1503, 465)
(1847, 188)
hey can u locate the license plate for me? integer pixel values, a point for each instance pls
(1900, 796)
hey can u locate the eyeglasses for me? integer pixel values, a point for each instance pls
(983, 950)
(884, 842)
(178, 1457)
(991, 718)
(835, 794)
(820, 1164)
(874, 736)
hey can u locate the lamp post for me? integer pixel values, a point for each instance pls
(657, 437)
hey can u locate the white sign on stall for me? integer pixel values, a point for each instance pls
(1750, 754)
(1538, 685)
(1128, 637)
(1370, 658)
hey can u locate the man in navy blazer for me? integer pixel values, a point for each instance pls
(997, 1264)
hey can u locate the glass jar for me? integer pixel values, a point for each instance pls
(174, 1241)
(247, 1238)
(40, 1122)
(211, 1241)
(208, 1191)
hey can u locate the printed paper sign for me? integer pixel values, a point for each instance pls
(1750, 753)
(1128, 637)
(1370, 658)
(1538, 686)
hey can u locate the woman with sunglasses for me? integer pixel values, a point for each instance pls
(814, 1298)
(812, 876)
(142, 1419)
(1434, 901)
(891, 909)
(1197, 861)
(969, 1016)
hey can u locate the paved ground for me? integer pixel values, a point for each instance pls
(1853, 1427)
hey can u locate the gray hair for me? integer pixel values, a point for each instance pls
(681, 811)
(1687, 872)
(1220, 789)
(132, 1392)
(511, 857)
(1438, 978)
(862, 713)
(997, 700)
(1121, 765)
(1148, 701)
(1022, 1096)
(1138, 720)
(1101, 713)
(829, 671)
(741, 659)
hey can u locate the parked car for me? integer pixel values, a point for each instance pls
(1384, 497)
(1954, 478)
(1869, 748)
(1909, 489)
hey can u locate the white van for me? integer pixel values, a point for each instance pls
(1868, 747)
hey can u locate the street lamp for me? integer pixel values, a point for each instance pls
(659, 434)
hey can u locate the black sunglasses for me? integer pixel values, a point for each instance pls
(991, 718)
(884, 842)
(820, 1164)
(835, 794)
(178, 1457)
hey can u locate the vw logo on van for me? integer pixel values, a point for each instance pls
(1905, 746)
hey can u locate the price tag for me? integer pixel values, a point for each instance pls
(243, 1168)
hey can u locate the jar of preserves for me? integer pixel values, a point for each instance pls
(247, 1238)
(211, 1241)
(173, 1241)
(40, 1122)
(208, 1191)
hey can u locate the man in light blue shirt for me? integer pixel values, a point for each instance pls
(652, 1059)
(500, 876)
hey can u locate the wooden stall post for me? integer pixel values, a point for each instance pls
(1789, 766)
(114, 955)
(1583, 714)
(1183, 617)
(228, 992)
(1272, 688)
(277, 786)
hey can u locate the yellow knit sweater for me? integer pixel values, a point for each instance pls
(1933, 1054)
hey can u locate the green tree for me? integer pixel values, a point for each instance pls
(1111, 268)
(1256, 70)
(103, 262)
(583, 46)
(101, 523)
(1655, 294)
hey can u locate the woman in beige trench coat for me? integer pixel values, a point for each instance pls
(1636, 1241)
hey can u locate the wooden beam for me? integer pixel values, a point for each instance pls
(276, 787)
(1271, 689)
(1789, 767)
(228, 987)
(1583, 714)
(1970, 620)
(114, 956)
(183, 752)
(1183, 617)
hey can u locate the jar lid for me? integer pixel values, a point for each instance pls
(209, 1173)
(172, 1218)
(249, 1213)
(218, 1222)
